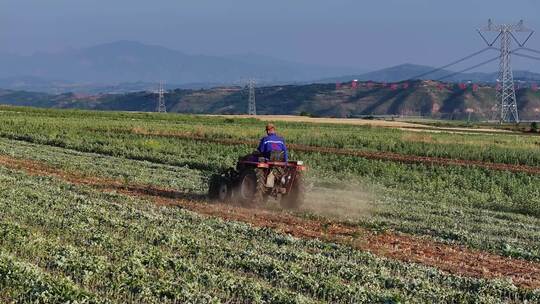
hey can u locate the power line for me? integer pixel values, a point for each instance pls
(470, 68)
(529, 49)
(452, 63)
(527, 56)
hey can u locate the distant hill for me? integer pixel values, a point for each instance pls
(133, 62)
(426, 98)
(412, 71)
(37, 84)
(127, 66)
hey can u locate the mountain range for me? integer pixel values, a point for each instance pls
(424, 98)
(127, 62)
(127, 66)
(414, 71)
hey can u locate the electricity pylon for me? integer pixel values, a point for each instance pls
(506, 93)
(161, 108)
(252, 107)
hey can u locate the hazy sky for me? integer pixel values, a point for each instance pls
(364, 34)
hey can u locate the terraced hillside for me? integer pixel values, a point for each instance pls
(105, 207)
(426, 98)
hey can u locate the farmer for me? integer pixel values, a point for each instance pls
(273, 146)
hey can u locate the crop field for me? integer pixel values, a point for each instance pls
(104, 207)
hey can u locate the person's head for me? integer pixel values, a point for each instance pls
(270, 128)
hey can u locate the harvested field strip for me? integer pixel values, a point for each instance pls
(407, 125)
(384, 156)
(454, 259)
(318, 120)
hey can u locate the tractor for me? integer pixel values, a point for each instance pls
(256, 178)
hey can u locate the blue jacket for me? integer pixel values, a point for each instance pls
(271, 143)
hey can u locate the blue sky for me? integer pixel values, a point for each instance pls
(360, 34)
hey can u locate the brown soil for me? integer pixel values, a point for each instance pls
(384, 156)
(450, 258)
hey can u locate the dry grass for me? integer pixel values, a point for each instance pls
(417, 137)
(346, 121)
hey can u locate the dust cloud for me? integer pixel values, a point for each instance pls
(344, 203)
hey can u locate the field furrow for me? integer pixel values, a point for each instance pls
(384, 156)
(471, 206)
(128, 250)
(457, 260)
(112, 207)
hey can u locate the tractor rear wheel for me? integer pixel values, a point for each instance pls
(251, 190)
(220, 189)
(296, 196)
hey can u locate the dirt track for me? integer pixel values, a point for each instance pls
(384, 156)
(453, 259)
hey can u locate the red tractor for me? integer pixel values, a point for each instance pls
(255, 179)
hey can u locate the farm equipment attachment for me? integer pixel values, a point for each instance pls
(256, 178)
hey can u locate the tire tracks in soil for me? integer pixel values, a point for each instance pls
(453, 259)
(372, 155)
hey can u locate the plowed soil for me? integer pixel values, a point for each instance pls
(384, 156)
(453, 259)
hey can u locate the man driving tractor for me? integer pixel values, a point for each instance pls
(267, 172)
(272, 146)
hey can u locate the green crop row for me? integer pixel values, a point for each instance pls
(489, 210)
(67, 243)
(117, 249)
(52, 125)
(26, 283)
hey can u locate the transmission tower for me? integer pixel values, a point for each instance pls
(506, 93)
(252, 108)
(161, 108)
